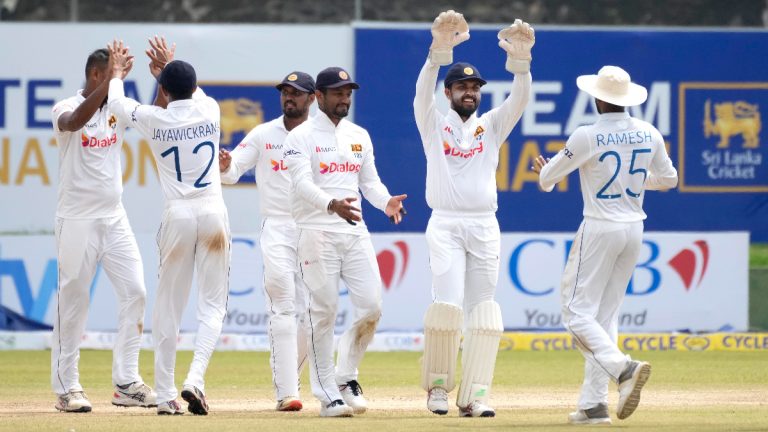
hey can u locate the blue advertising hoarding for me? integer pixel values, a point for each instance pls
(708, 93)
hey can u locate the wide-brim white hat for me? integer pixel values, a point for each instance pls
(613, 85)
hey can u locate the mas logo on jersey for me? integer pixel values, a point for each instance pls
(393, 262)
(721, 137)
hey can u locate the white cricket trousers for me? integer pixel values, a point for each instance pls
(81, 245)
(464, 253)
(600, 265)
(285, 294)
(194, 236)
(324, 258)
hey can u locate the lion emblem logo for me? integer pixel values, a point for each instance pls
(239, 115)
(731, 119)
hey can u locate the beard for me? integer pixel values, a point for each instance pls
(293, 111)
(462, 110)
(341, 111)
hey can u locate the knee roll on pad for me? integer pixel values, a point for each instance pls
(442, 334)
(481, 344)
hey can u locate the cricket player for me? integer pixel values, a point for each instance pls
(330, 160)
(194, 232)
(463, 235)
(618, 158)
(92, 228)
(263, 148)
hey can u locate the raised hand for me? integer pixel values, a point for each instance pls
(517, 40)
(120, 59)
(539, 163)
(159, 54)
(449, 29)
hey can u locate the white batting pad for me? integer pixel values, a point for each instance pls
(481, 344)
(442, 333)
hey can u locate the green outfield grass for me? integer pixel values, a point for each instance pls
(758, 255)
(688, 391)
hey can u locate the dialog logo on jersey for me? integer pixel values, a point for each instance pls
(455, 152)
(393, 262)
(278, 165)
(344, 167)
(95, 142)
(691, 264)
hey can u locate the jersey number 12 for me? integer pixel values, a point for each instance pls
(175, 151)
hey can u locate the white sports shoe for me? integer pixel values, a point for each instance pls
(136, 394)
(336, 408)
(631, 382)
(353, 396)
(593, 416)
(289, 404)
(169, 408)
(74, 401)
(476, 409)
(437, 401)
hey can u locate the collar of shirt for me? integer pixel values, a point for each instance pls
(613, 116)
(181, 103)
(323, 122)
(455, 119)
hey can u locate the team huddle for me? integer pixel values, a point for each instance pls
(326, 164)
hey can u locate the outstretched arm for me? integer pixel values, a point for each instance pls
(448, 30)
(517, 41)
(661, 174)
(159, 55)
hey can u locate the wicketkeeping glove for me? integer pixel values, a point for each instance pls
(517, 40)
(449, 29)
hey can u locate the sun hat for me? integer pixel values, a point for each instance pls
(613, 85)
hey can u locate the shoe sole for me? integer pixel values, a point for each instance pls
(483, 414)
(592, 422)
(195, 404)
(84, 409)
(168, 413)
(634, 398)
(439, 412)
(294, 405)
(339, 415)
(138, 405)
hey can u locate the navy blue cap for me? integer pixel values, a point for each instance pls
(461, 72)
(299, 80)
(334, 77)
(178, 77)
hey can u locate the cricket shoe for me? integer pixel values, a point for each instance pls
(631, 382)
(289, 404)
(169, 408)
(336, 408)
(196, 400)
(135, 394)
(73, 401)
(476, 409)
(437, 401)
(597, 415)
(353, 396)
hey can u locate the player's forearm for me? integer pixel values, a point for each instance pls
(661, 182)
(376, 194)
(118, 103)
(311, 193)
(510, 111)
(85, 111)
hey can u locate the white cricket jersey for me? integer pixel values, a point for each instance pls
(184, 138)
(263, 148)
(462, 156)
(326, 161)
(618, 158)
(90, 174)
